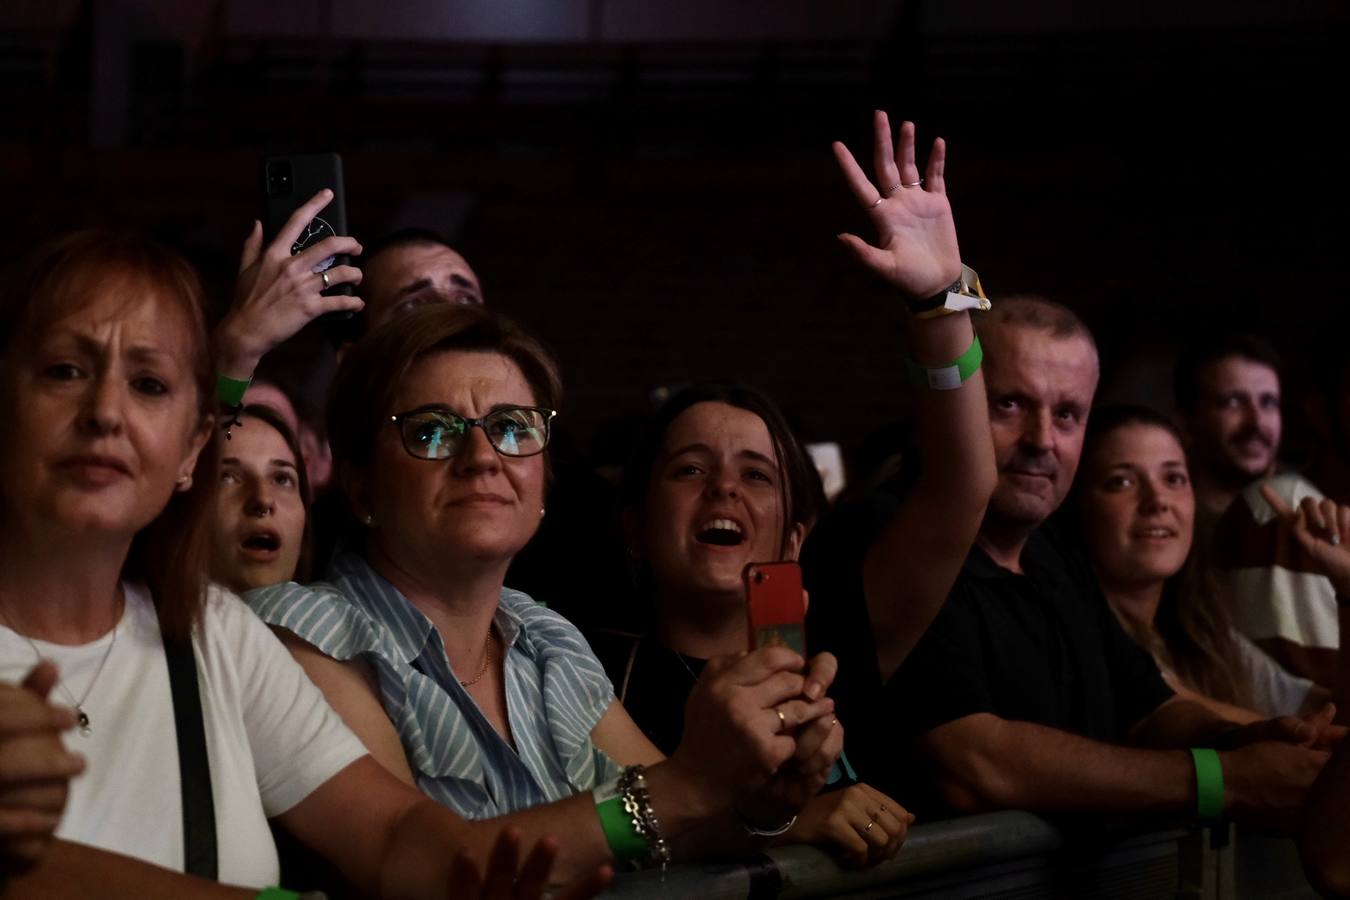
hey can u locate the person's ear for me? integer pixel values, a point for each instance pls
(196, 444)
(796, 537)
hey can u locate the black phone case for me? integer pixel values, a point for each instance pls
(309, 174)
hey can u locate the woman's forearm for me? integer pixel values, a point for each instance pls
(70, 871)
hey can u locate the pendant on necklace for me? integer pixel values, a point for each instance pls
(82, 720)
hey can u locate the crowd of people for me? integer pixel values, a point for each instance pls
(317, 617)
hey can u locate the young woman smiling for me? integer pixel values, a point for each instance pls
(1136, 505)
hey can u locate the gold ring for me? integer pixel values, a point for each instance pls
(869, 826)
(324, 277)
(782, 719)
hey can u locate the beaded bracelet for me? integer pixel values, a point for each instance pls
(632, 787)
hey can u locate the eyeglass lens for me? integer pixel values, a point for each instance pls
(438, 435)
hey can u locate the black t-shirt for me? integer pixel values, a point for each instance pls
(837, 621)
(652, 681)
(1038, 647)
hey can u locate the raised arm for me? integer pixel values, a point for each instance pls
(1315, 537)
(278, 294)
(911, 566)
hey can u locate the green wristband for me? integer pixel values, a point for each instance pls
(622, 836)
(276, 893)
(953, 374)
(1208, 785)
(230, 391)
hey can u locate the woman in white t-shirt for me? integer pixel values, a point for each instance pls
(107, 384)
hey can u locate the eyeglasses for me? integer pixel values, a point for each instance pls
(434, 432)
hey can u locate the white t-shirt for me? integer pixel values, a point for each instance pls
(271, 736)
(1271, 600)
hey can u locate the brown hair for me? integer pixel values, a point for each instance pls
(170, 554)
(362, 396)
(800, 494)
(1192, 630)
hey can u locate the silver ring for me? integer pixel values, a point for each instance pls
(782, 719)
(876, 202)
(918, 183)
(324, 277)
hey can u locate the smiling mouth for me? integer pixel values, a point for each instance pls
(721, 533)
(1156, 533)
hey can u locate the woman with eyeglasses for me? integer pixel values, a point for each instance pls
(486, 701)
(186, 725)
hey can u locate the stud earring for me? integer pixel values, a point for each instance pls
(541, 512)
(184, 482)
(368, 521)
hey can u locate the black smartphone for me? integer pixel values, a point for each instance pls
(286, 184)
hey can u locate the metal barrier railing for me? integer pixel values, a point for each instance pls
(1001, 854)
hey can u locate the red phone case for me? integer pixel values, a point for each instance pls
(775, 605)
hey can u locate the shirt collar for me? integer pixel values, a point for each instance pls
(980, 565)
(408, 626)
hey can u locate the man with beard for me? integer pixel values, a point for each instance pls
(1025, 692)
(1228, 401)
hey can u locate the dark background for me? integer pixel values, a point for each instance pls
(649, 187)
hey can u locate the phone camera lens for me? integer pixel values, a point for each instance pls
(279, 178)
(759, 578)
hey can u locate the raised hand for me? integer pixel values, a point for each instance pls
(506, 878)
(916, 247)
(35, 768)
(1314, 537)
(278, 294)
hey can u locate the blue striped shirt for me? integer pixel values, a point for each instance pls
(556, 690)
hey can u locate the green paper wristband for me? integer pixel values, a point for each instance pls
(1208, 784)
(230, 391)
(953, 374)
(276, 893)
(620, 834)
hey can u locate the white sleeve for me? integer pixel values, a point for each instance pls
(1274, 690)
(1271, 601)
(297, 740)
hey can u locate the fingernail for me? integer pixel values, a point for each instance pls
(814, 690)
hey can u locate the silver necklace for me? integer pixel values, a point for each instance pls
(684, 662)
(81, 717)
